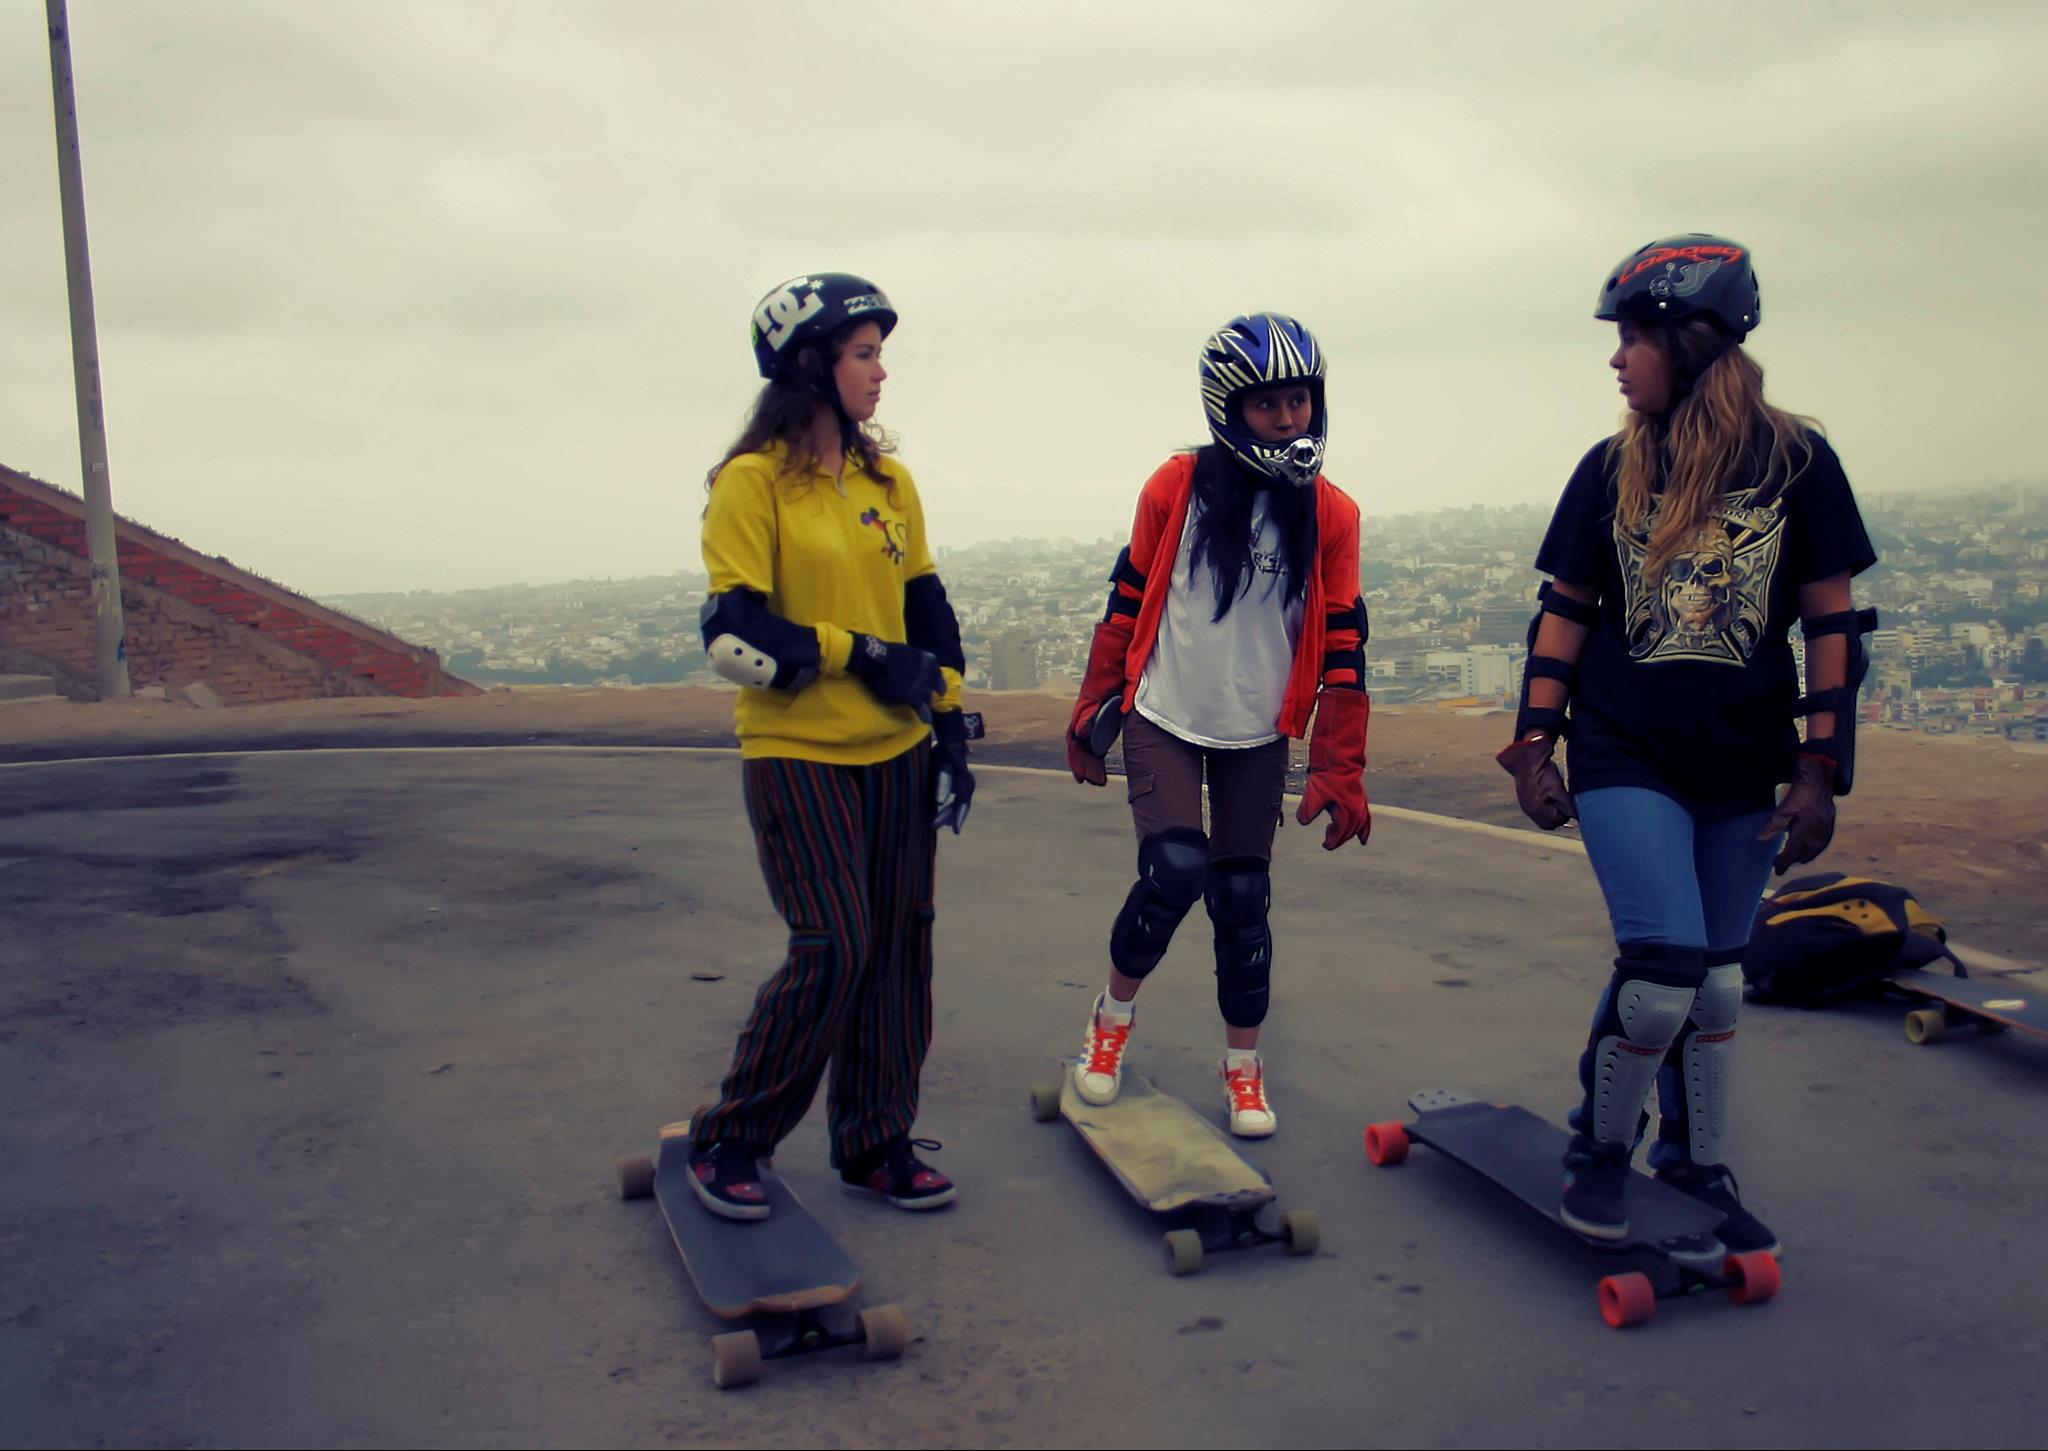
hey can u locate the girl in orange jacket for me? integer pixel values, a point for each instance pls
(1233, 615)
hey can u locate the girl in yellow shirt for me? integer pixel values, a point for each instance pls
(826, 609)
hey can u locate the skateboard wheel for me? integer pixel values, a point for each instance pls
(636, 1177)
(884, 1332)
(1045, 1103)
(1183, 1251)
(1926, 1025)
(1299, 1228)
(1627, 1299)
(1753, 1276)
(1386, 1144)
(735, 1359)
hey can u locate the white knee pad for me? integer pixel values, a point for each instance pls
(1625, 1063)
(1709, 1061)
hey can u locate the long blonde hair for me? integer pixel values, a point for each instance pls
(1699, 448)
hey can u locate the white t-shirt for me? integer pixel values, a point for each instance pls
(1220, 683)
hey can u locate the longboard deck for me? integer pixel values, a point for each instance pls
(1524, 1154)
(1161, 1151)
(2001, 1002)
(783, 1264)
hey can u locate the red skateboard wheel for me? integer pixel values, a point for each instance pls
(1386, 1144)
(1627, 1300)
(1755, 1276)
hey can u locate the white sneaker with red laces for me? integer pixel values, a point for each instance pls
(1099, 1074)
(1244, 1088)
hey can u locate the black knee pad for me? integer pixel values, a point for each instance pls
(1238, 897)
(1173, 867)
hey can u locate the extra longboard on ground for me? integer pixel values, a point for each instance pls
(1513, 1149)
(1992, 1005)
(1172, 1162)
(783, 1273)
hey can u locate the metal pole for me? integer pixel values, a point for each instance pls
(108, 631)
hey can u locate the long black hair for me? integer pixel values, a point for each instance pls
(1225, 491)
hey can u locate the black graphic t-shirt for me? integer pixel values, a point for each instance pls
(1687, 685)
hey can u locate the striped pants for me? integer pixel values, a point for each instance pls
(849, 855)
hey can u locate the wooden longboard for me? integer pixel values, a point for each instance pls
(783, 1264)
(2000, 1002)
(1161, 1151)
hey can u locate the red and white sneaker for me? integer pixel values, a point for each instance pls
(1244, 1088)
(1099, 1075)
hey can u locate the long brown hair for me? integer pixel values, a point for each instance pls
(1697, 449)
(789, 404)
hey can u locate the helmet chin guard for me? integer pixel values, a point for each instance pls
(1264, 350)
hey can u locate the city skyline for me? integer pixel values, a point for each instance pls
(1961, 589)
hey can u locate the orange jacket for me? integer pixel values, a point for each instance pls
(1331, 648)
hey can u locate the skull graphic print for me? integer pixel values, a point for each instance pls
(1713, 597)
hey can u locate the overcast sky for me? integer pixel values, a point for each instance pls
(439, 294)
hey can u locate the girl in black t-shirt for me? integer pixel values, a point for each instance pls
(1680, 553)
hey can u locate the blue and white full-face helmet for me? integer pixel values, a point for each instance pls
(1263, 350)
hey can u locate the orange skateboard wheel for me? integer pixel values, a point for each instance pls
(1386, 1144)
(1755, 1276)
(1627, 1300)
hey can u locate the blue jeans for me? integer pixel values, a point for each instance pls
(1675, 878)
(1670, 876)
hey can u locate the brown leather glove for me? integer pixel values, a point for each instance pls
(1539, 785)
(1806, 813)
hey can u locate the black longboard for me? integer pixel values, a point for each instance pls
(783, 1272)
(1993, 1005)
(1523, 1155)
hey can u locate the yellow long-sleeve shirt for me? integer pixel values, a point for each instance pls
(838, 563)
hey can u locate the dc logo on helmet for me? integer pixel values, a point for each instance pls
(786, 309)
(811, 309)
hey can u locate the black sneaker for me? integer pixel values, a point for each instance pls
(895, 1173)
(726, 1177)
(1595, 1179)
(1712, 1184)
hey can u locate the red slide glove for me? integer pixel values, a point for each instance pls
(1336, 768)
(1105, 678)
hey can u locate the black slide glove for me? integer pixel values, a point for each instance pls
(897, 674)
(953, 783)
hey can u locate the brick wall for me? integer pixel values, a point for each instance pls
(189, 617)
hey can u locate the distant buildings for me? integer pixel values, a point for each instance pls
(1962, 591)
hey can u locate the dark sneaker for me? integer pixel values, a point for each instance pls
(1741, 1231)
(895, 1173)
(1595, 1180)
(726, 1177)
